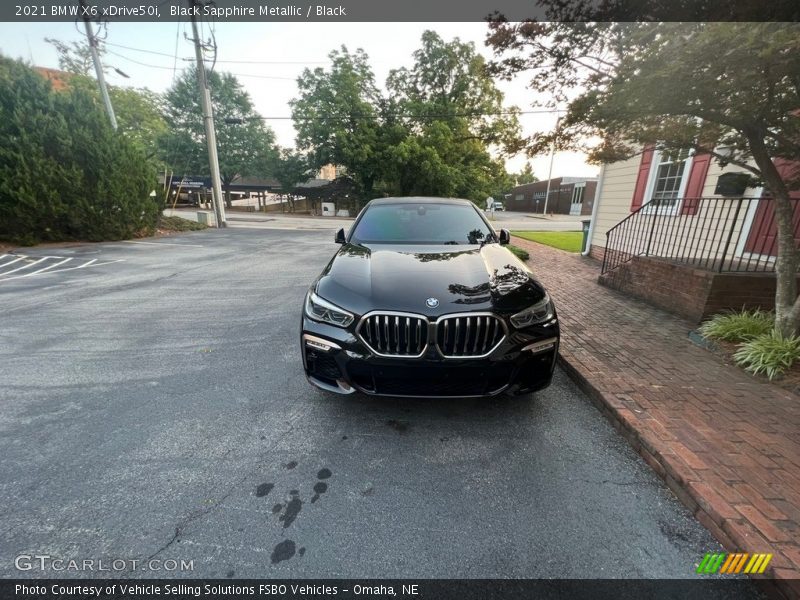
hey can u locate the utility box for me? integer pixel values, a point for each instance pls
(204, 217)
(328, 209)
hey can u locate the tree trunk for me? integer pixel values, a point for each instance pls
(228, 203)
(787, 304)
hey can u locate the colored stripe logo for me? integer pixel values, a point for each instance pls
(732, 563)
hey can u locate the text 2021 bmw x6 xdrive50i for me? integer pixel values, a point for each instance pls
(422, 300)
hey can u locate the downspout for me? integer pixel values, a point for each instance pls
(597, 192)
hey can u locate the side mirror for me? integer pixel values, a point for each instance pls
(505, 237)
(340, 238)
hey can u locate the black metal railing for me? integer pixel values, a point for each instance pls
(720, 234)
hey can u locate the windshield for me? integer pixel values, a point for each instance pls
(408, 223)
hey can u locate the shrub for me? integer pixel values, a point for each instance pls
(770, 354)
(738, 327)
(519, 252)
(179, 224)
(65, 174)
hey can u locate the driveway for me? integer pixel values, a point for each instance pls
(156, 407)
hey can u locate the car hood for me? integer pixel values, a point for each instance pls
(401, 278)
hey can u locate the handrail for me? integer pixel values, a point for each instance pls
(621, 223)
(720, 234)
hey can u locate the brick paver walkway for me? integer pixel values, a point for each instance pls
(726, 444)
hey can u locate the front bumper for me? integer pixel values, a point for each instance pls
(336, 360)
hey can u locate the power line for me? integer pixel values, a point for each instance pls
(276, 62)
(175, 54)
(242, 62)
(167, 54)
(402, 115)
(151, 66)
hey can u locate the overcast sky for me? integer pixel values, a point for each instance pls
(389, 45)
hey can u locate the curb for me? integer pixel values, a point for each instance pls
(732, 535)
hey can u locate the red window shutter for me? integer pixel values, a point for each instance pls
(789, 170)
(697, 180)
(641, 179)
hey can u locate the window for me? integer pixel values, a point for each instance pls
(668, 178)
(577, 195)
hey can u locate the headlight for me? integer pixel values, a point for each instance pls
(322, 310)
(538, 313)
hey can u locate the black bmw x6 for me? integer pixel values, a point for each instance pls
(422, 300)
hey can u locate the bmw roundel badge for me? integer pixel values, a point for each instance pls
(432, 302)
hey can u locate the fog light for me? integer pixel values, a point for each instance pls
(541, 346)
(319, 344)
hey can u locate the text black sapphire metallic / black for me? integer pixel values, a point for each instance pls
(422, 300)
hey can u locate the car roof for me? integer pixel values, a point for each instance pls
(421, 200)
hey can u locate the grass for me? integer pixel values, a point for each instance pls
(770, 354)
(519, 252)
(179, 224)
(738, 327)
(563, 240)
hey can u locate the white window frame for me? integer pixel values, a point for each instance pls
(651, 183)
(578, 190)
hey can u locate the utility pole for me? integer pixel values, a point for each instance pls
(550, 172)
(208, 120)
(98, 67)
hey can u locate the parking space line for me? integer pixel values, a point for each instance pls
(42, 270)
(91, 263)
(28, 266)
(161, 244)
(11, 262)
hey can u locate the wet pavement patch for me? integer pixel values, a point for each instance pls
(264, 489)
(399, 426)
(293, 507)
(319, 488)
(283, 551)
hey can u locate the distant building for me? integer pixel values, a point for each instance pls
(331, 172)
(58, 79)
(568, 196)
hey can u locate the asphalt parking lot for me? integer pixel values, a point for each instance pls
(155, 406)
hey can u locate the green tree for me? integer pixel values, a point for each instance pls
(431, 135)
(525, 176)
(139, 116)
(336, 116)
(246, 146)
(138, 110)
(65, 174)
(449, 82)
(291, 168)
(701, 86)
(75, 57)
